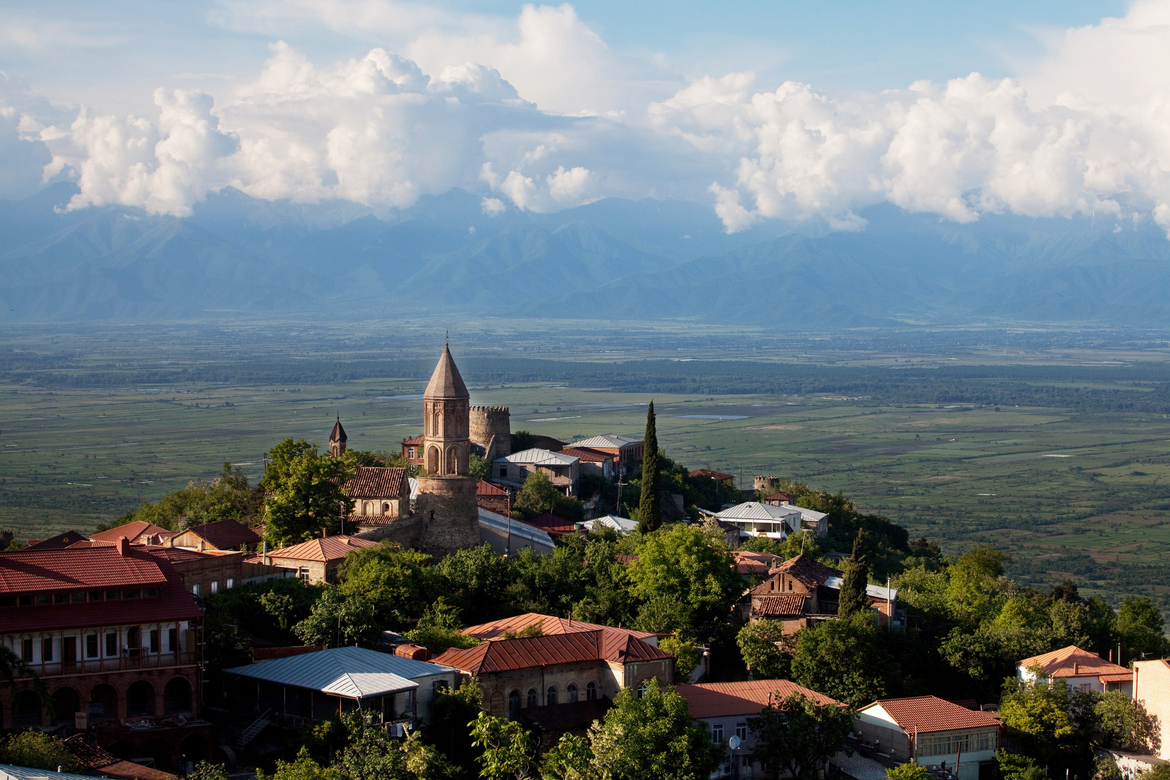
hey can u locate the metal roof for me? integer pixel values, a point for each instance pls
(502, 524)
(10, 772)
(539, 457)
(349, 672)
(873, 591)
(754, 510)
(621, 524)
(614, 440)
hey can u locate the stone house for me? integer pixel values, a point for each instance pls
(137, 532)
(493, 498)
(562, 470)
(932, 732)
(379, 494)
(112, 633)
(412, 450)
(727, 707)
(593, 462)
(1079, 669)
(316, 560)
(626, 450)
(802, 591)
(561, 669)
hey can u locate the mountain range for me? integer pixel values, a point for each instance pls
(612, 259)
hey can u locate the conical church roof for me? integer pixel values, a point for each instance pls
(338, 432)
(446, 382)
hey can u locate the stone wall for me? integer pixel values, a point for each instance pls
(491, 428)
(766, 483)
(449, 514)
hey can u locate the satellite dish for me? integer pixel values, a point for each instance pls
(734, 742)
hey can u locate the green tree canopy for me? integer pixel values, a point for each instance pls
(650, 505)
(853, 598)
(337, 620)
(766, 649)
(687, 566)
(799, 735)
(37, 750)
(398, 583)
(848, 660)
(304, 493)
(1140, 626)
(911, 770)
(509, 752)
(539, 495)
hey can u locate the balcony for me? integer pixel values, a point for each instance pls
(133, 661)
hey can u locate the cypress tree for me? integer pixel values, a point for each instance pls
(650, 507)
(853, 596)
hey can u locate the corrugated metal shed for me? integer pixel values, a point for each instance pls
(539, 457)
(349, 672)
(609, 440)
(754, 510)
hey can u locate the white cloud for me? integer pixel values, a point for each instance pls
(492, 207)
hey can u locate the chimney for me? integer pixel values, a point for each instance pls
(264, 552)
(202, 547)
(1076, 668)
(123, 546)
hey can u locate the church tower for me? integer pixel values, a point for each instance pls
(446, 502)
(446, 421)
(337, 440)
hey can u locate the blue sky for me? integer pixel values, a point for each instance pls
(776, 110)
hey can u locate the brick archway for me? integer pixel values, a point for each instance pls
(66, 704)
(176, 696)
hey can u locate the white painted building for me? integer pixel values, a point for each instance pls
(931, 731)
(755, 519)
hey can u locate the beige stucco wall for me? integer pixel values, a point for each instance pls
(1151, 687)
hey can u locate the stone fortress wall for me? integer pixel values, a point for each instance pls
(491, 428)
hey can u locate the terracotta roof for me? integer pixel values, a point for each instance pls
(718, 476)
(930, 714)
(76, 569)
(87, 753)
(513, 654)
(179, 554)
(783, 497)
(329, 548)
(225, 534)
(96, 568)
(377, 482)
(127, 770)
(552, 524)
(446, 382)
(748, 562)
(550, 625)
(586, 455)
(134, 531)
(780, 606)
(58, 542)
(360, 520)
(338, 433)
(485, 488)
(807, 570)
(414, 440)
(1116, 678)
(1072, 661)
(716, 700)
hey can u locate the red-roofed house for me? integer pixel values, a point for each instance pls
(493, 498)
(317, 559)
(412, 450)
(553, 525)
(727, 707)
(718, 476)
(559, 669)
(592, 461)
(930, 731)
(220, 535)
(548, 625)
(748, 562)
(138, 532)
(1079, 669)
(111, 631)
(379, 494)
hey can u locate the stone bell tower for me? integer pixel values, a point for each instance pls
(337, 439)
(446, 494)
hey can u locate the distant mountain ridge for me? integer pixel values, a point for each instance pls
(613, 259)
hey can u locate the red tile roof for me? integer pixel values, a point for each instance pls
(586, 455)
(226, 534)
(782, 497)
(377, 482)
(485, 488)
(788, 605)
(134, 531)
(329, 548)
(415, 440)
(716, 700)
(514, 654)
(748, 562)
(552, 524)
(807, 570)
(929, 714)
(95, 568)
(58, 542)
(1072, 661)
(550, 625)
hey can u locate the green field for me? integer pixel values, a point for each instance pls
(1068, 491)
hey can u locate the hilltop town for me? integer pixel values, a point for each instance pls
(475, 601)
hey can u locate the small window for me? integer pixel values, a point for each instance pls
(717, 734)
(551, 695)
(131, 593)
(7, 601)
(591, 691)
(44, 599)
(63, 598)
(231, 583)
(111, 643)
(150, 593)
(78, 597)
(642, 690)
(46, 649)
(571, 693)
(214, 587)
(790, 584)
(303, 573)
(741, 731)
(113, 595)
(533, 698)
(26, 650)
(172, 640)
(26, 601)
(195, 589)
(513, 704)
(503, 472)
(96, 595)
(154, 640)
(91, 645)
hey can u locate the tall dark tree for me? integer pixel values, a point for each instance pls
(650, 507)
(853, 596)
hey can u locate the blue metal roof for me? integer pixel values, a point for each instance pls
(350, 672)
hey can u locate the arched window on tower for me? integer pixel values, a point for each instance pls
(433, 460)
(453, 460)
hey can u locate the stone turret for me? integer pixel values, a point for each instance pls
(771, 484)
(491, 429)
(337, 440)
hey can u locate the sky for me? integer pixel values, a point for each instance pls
(763, 110)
